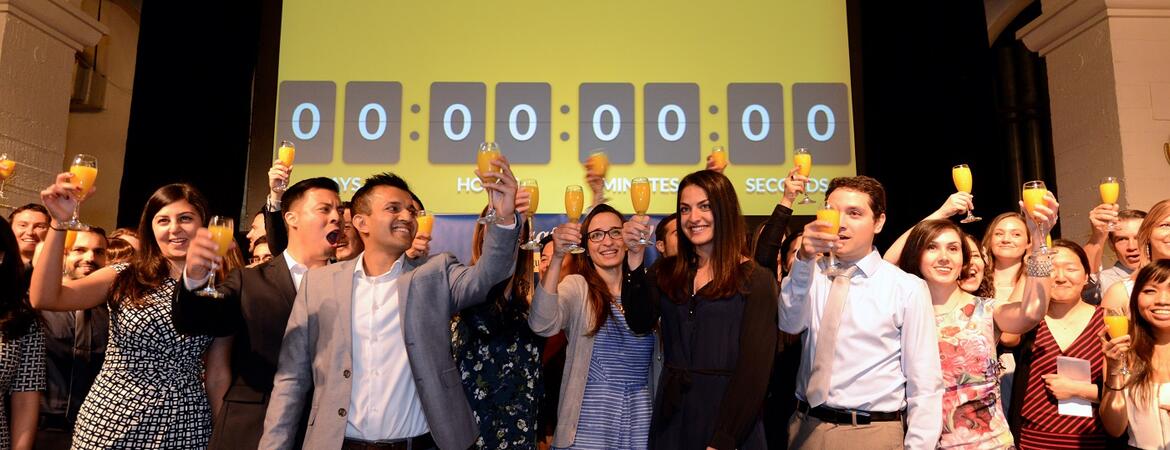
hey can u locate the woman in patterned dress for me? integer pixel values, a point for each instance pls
(605, 390)
(22, 351)
(968, 328)
(150, 391)
(499, 356)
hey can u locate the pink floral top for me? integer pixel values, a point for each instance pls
(973, 416)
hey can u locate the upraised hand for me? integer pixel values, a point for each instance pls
(1103, 215)
(793, 186)
(201, 255)
(61, 197)
(278, 176)
(817, 240)
(632, 232)
(503, 192)
(564, 235)
(1042, 219)
(957, 203)
(420, 247)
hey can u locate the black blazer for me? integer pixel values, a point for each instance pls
(255, 311)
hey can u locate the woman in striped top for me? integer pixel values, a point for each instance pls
(1069, 329)
(605, 390)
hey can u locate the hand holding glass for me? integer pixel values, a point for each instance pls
(640, 197)
(84, 170)
(831, 215)
(598, 165)
(530, 186)
(7, 166)
(223, 233)
(1110, 189)
(1034, 192)
(286, 154)
(961, 175)
(574, 203)
(1117, 323)
(488, 152)
(803, 160)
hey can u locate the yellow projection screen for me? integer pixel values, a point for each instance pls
(413, 87)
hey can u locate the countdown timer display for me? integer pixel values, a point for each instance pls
(369, 86)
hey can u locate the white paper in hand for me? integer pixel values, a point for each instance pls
(1075, 369)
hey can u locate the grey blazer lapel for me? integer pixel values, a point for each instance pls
(343, 295)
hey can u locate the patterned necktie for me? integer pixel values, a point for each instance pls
(822, 367)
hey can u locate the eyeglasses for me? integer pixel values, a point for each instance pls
(614, 233)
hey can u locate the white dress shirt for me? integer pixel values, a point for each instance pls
(887, 347)
(1108, 277)
(384, 402)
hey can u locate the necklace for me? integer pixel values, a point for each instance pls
(618, 305)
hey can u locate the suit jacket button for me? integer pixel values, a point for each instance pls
(341, 412)
(345, 373)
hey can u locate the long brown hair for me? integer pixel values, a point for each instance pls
(1142, 351)
(1156, 215)
(728, 275)
(986, 288)
(148, 267)
(599, 296)
(521, 274)
(910, 261)
(989, 240)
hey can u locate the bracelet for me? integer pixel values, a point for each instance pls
(1035, 266)
(1107, 386)
(51, 227)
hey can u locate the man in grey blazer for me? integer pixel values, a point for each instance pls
(370, 337)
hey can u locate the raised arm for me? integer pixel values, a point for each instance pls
(1017, 317)
(956, 203)
(771, 238)
(1113, 410)
(795, 292)
(639, 287)
(274, 227)
(1099, 220)
(740, 405)
(46, 291)
(470, 285)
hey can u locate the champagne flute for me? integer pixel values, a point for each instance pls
(488, 152)
(803, 160)
(1033, 194)
(426, 222)
(7, 166)
(84, 170)
(961, 175)
(533, 188)
(1117, 323)
(598, 165)
(828, 213)
(286, 154)
(719, 157)
(574, 202)
(223, 233)
(1110, 189)
(640, 197)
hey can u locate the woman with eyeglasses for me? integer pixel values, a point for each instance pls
(605, 390)
(718, 322)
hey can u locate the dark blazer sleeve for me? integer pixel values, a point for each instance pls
(768, 246)
(743, 401)
(195, 315)
(470, 285)
(640, 298)
(275, 231)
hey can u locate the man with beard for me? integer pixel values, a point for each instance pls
(257, 303)
(75, 347)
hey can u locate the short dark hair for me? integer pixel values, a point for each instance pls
(660, 229)
(30, 207)
(1128, 214)
(417, 200)
(865, 185)
(547, 239)
(100, 232)
(361, 201)
(919, 240)
(297, 191)
(1076, 249)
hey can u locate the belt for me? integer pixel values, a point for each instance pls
(846, 416)
(415, 443)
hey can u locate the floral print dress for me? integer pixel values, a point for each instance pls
(499, 361)
(973, 417)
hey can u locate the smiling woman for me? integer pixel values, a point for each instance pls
(151, 386)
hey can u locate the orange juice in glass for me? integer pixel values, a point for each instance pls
(1117, 324)
(84, 170)
(7, 166)
(1110, 189)
(222, 233)
(803, 160)
(484, 155)
(719, 157)
(286, 154)
(530, 186)
(640, 198)
(1033, 195)
(597, 164)
(961, 176)
(70, 239)
(426, 222)
(831, 215)
(574, 203)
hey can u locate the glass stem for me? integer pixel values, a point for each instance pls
(531, 230)
(211, 279)
(76, 207)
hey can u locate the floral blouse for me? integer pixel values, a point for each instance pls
(499, 361)
(973, 417)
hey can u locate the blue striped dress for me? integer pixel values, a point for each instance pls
(616, 406)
